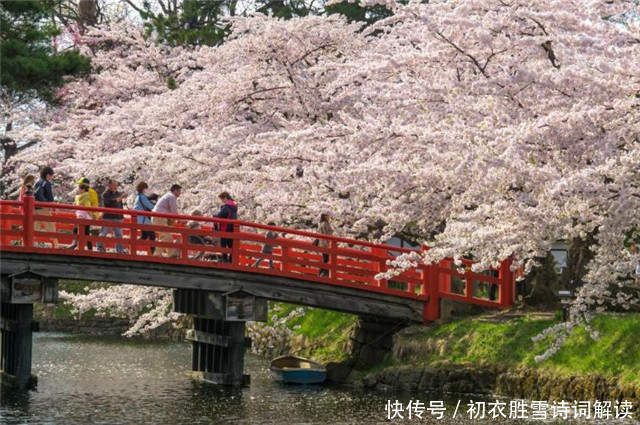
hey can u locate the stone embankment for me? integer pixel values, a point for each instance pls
(485, 355)
(93, 326)
(108, 327)
(521, 383)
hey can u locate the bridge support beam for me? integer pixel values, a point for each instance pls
(218, 334)
(19, 292)
(15, 357)
(217, 351)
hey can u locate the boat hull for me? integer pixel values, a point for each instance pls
(297, 370)
(299, 376)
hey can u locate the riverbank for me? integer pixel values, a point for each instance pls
(495, 355)
(85, 326)
(321, 334)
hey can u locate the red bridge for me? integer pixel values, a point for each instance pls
(349, 283)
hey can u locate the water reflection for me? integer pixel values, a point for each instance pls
(112, 380)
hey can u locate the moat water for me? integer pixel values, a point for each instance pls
(112, 380)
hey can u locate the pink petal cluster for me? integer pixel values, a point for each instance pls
(488, 128)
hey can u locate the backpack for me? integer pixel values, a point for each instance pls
(39, 193)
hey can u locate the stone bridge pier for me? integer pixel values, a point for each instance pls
(370, 343)
(218, 337)
(18, 293)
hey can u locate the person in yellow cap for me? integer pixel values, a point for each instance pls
(93, 196)
(83, 200)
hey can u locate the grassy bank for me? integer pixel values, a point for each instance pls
(508, 343)
(324, 333)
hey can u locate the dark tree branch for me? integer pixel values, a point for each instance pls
(471, 57)
(242, 99)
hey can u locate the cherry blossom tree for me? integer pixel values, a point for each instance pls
(147, 307)
(482, 128)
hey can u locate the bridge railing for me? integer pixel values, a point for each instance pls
(209, 242)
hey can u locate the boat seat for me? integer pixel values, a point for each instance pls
(301, 366)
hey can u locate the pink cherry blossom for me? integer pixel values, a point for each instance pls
(483, 128)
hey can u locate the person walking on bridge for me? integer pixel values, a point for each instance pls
(27, 186)
(326, 229)
(93, 195)
(26, 189)
(143, 203)
(82, 199)
(44, 193)
(168, 204)
(228, 210)
(111, 198)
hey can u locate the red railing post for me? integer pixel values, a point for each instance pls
(286, 253)
(444, 279)
(507, 290)
(468, 287)
(381, 265)
(333, 259)
(82, 238)
(28, 224)
(4, 225)
(424, 277)
(235, 248)
(430, 287)
(133, 235)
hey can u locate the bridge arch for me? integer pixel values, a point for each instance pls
(291, 272)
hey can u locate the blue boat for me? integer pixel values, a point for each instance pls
(297, 370)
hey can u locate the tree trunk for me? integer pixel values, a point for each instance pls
(542, 283)
(579, 256)
(87, 14)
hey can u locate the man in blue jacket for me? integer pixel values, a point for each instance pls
(43, 192)
(228, 210)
